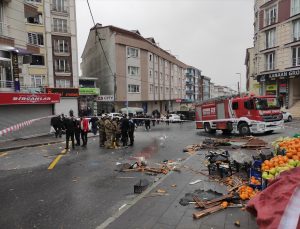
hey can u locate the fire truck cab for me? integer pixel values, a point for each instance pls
(243, 115)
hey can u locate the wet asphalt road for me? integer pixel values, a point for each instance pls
(84, 189)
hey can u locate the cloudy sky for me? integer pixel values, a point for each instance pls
(211, 35)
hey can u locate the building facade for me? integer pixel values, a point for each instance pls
(252, 86)
(132, 69)
(192, 89)
(204, 85)
(38, 48)
(277, 48)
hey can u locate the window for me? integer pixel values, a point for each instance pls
(296, 56)
(35, 20)
(133, 71)
(270, 38)
(151, 88)
(60, 25)
(296, 30)
(34, 1)
(61, 46)
(37, 60)
(59, 5)
(249, 105)
(150, 57)
(271, 15)
(295, 7)
(155, 58)
(172, 90)
(150, 73)
(235, 105)
(156, 74)
(270, 60)
(161, 77)
(156, 89)
(161, 90)
(133, 88)
(132, 52)
(36, 38)
(63, 83)
(37, 81)
(62, 65)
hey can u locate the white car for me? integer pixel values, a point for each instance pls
(174, 118)
(287, 117)
(115, 115)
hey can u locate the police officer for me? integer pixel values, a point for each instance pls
(124, 130)
(131, 130)
(108, 132)
(101, 126)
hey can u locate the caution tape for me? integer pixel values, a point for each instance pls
(21, 125)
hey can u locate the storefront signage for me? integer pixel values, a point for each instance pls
(15, 66)
(282, 88)
(271, 87)
(89, 91)
(64, 92)
(285, 74)
(178, 100)
(26, 98)
(105, 98)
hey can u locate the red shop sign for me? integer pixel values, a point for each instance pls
(26, 98)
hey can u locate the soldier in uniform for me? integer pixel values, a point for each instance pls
(101, 126)
(108, 132)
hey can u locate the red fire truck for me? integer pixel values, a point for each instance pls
(243, 115)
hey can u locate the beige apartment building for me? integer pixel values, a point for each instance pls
(276, 55)
(132, 69)
(252, 86)
(38, 48)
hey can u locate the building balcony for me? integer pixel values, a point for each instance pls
(60, 9)
(189, 82)
(190, 92)
(60, 29)
(61, 52)
(6, 86)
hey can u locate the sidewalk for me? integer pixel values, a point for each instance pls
(165, 211)
(32, 142)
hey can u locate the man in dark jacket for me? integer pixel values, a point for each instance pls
(69, 124)
(131, 131)
(94, 121)
(124, 130)
(77, 132)
(56, 123)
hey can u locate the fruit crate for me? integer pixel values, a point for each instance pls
(257, 175)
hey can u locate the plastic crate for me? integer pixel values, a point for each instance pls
(256, 165)
(257, 174)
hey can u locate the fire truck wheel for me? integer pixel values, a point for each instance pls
(207, 129)
(244, 129)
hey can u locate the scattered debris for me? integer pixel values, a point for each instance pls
(195, 182)
(161, 191)
(237, 223)
(173, 185)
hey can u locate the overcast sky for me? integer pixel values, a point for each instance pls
(211, 35)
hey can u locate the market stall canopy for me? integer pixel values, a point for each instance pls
(132, 110)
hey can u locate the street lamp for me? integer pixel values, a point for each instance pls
(240, 83)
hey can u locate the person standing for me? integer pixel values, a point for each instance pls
(101, 126)
(77, 132)
(147, 123)
(94, 121)
(84, 125)
(69, 125)
(124, 130)
(108, 132)
(131, 131)
(114, 132)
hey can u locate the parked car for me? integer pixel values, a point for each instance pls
(287, 116)
(174, 118)
(115, 115)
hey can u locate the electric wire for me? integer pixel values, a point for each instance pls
(99, 39)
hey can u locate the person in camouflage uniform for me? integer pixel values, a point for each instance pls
(101, 126)
(109, 127)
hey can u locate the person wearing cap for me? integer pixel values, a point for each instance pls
(101, 126)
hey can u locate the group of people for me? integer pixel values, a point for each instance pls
(116, 131)
(113, 132)
(75, 129)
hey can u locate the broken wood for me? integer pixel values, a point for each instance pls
(200, 214)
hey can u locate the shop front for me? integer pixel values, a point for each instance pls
(87, 101)
(16, 108)
(281, 84)
(68, 100)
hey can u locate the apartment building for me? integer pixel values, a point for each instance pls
(192, 89)
(204, 85)
(277, 48)
(38, 49)
(132, 70)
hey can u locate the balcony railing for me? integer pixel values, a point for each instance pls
(60, 9)
(190, 92)
(60, 29)
(6, 84)
(296, 62)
